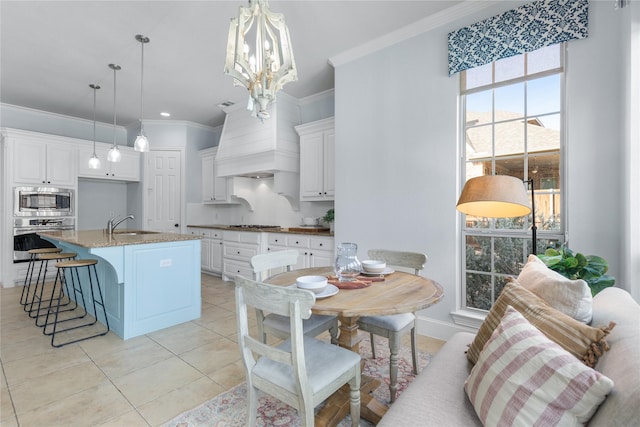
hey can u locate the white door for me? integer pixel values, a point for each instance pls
(163, 194)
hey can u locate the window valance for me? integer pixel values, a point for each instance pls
(524, 29)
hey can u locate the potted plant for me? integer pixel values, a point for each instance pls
(590, 268)
(329, 218)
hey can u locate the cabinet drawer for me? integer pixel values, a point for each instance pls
(204, 232)
(297, 241)
(232, 269)
(242, 236)
(275, 239)
(239, 251)
(325, 244)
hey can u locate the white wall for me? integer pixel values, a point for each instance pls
(397, 167)
(100, 200)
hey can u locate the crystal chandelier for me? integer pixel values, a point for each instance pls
(114, 153)
(94, 161)
(141, 143)
(259, 55)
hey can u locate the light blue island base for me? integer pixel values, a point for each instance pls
(146, 287)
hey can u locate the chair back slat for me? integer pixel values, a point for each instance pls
(413, 260)
(275, 299)
(262, 263)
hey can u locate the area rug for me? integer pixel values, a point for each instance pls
(229, 408)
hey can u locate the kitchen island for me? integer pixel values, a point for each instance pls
(150, 281)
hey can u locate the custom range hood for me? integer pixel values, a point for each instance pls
(254, 148)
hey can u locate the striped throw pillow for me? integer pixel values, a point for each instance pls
(583, 341)
(524, 379)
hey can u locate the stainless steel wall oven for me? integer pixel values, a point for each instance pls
(25, 237)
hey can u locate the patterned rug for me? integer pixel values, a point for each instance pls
(229, 408)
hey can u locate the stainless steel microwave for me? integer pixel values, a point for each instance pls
(43, 201)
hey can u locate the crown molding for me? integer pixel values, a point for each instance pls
(422, 26)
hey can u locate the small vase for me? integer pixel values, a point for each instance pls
(347, 266)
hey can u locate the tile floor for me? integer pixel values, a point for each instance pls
(105, 381)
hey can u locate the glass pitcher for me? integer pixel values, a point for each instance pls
(347, 266)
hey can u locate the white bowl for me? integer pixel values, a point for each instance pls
(373, 266)
(315, 284)
(309, 221)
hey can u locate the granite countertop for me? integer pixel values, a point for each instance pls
(316, 231)
(100, 239)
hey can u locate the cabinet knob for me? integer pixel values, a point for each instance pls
(320, 244)
(238, 252)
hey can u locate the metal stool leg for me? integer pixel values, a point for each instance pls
(97, 301)
(33, 258)
(35, 313)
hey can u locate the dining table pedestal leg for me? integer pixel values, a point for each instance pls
(337, 406)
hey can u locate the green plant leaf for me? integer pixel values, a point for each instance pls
(598, 262)
(550, 260)
(597, 284)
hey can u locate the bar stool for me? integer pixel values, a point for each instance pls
(68, 271)
(33, 257)
(38, 288)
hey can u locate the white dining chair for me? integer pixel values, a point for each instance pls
(301, 371)
(278, 325)
(393, 327)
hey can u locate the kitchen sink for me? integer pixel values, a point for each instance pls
(134, 232)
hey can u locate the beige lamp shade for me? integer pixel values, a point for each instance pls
(494, 196)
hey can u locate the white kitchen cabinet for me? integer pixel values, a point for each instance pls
(127, 169)
(317, 146)
(214, 189)
(38, 162)
(238, 247)
(315, 251)
(211, 250)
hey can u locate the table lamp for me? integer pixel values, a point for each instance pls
(497, 196)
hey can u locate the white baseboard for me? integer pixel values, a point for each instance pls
(438, 329)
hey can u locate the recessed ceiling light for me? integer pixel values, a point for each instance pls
(165, 114)
(224, 104)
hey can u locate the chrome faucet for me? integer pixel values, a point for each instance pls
(111, 226)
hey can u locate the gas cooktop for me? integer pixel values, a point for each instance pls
(255, 226)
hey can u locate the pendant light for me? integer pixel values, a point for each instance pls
(94, 161)
(114, 153)
(142, 143)
(259, 55)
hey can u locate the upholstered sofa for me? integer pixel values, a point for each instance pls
(437, 396)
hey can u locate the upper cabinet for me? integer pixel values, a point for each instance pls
(127, 169)
(214, 189)
(40, 161)
(317, 144)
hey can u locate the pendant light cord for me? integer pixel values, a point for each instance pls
(142, 42)
(95, 88)
(114, 106)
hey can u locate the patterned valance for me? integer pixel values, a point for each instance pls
(525, 29)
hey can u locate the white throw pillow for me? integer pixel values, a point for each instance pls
(571, 297)
(523, 379)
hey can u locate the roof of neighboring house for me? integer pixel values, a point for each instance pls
(510, 134)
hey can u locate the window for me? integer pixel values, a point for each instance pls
(512, 112)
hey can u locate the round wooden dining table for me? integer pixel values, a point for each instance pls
(399, 292)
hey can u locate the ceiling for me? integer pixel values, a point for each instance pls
(51, 51)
